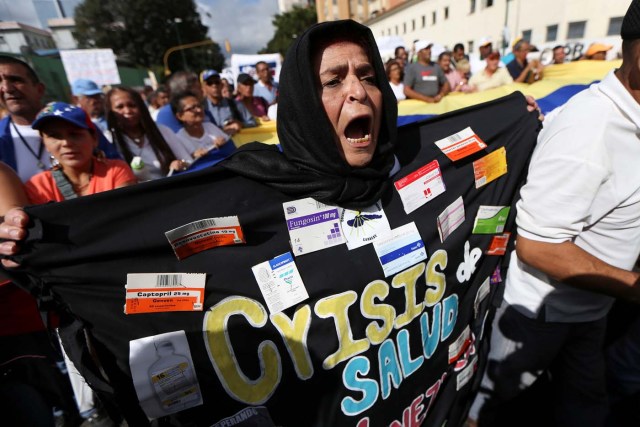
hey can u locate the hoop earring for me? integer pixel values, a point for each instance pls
(99, 154)
(55, 164)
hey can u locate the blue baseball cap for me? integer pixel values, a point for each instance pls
(63, 111)
(207, 74)
(84, 87)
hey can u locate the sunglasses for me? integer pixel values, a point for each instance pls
(212, 82)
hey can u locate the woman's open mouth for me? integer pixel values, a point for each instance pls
(358, 131)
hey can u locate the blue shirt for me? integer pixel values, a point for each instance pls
(221, 112)
(270, 95)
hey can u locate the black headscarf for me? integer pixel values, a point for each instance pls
(310, 164)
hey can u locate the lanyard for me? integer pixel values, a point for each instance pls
(33, 153)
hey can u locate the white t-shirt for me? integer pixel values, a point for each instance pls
(151, 169)
(206, 141)
(398, 90)
(477, 65)
(583, 186)
(26, 162)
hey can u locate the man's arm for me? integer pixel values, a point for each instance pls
(410, 93)
(248, 121)
(532, 67)
(444, 89)
(11, 190)
(572, 265)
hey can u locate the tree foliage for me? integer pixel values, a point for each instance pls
(289, 25)
(141, 31)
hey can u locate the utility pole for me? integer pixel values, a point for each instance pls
(505, 30)
(177, 21)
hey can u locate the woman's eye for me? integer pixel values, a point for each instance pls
(331, 83)
(370, 79)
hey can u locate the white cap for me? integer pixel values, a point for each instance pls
(422, 44)
(228, 77)
(485, 41)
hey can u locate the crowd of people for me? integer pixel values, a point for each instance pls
(62, 151)
(417, 76)
(103, 140)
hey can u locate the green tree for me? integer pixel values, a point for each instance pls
(141, 31)
(288, 26)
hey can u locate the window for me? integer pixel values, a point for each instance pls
(552, 33)
(470, 49)
(396, 30)
(424, 21)
(404, 28)
(446, 13)
(413, 25)
(488, 3)
(472, 8)
(526, 35)
(615, 25)
(576, 29)
(433, 18)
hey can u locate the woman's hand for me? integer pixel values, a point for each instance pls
(232, 127)
(219, 141)
(179, 165)
(13, 229)
(199, 153)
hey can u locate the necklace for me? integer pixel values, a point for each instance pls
(78, 188)
(139, 139)
(37, 155)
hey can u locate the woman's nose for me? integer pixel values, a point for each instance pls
(356, 90)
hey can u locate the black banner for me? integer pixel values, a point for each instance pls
(362, 350)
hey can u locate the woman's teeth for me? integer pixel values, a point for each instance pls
(358, 140)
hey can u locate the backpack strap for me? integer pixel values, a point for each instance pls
(63, 184)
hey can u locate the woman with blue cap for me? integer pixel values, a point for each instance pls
(71, 138)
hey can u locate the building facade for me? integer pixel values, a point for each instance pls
(287, 5)
(545, 23)
(15, 37)
(63, 33)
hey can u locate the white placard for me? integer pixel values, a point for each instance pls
(98, 65)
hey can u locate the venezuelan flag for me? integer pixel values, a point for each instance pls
(560, 83)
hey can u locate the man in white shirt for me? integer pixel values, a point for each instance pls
(477, 62)
(266, 87)
(21, 94)
(578, 239)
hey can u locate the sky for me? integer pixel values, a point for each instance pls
(245, 23)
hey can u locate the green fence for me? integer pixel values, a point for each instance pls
(51, 73)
